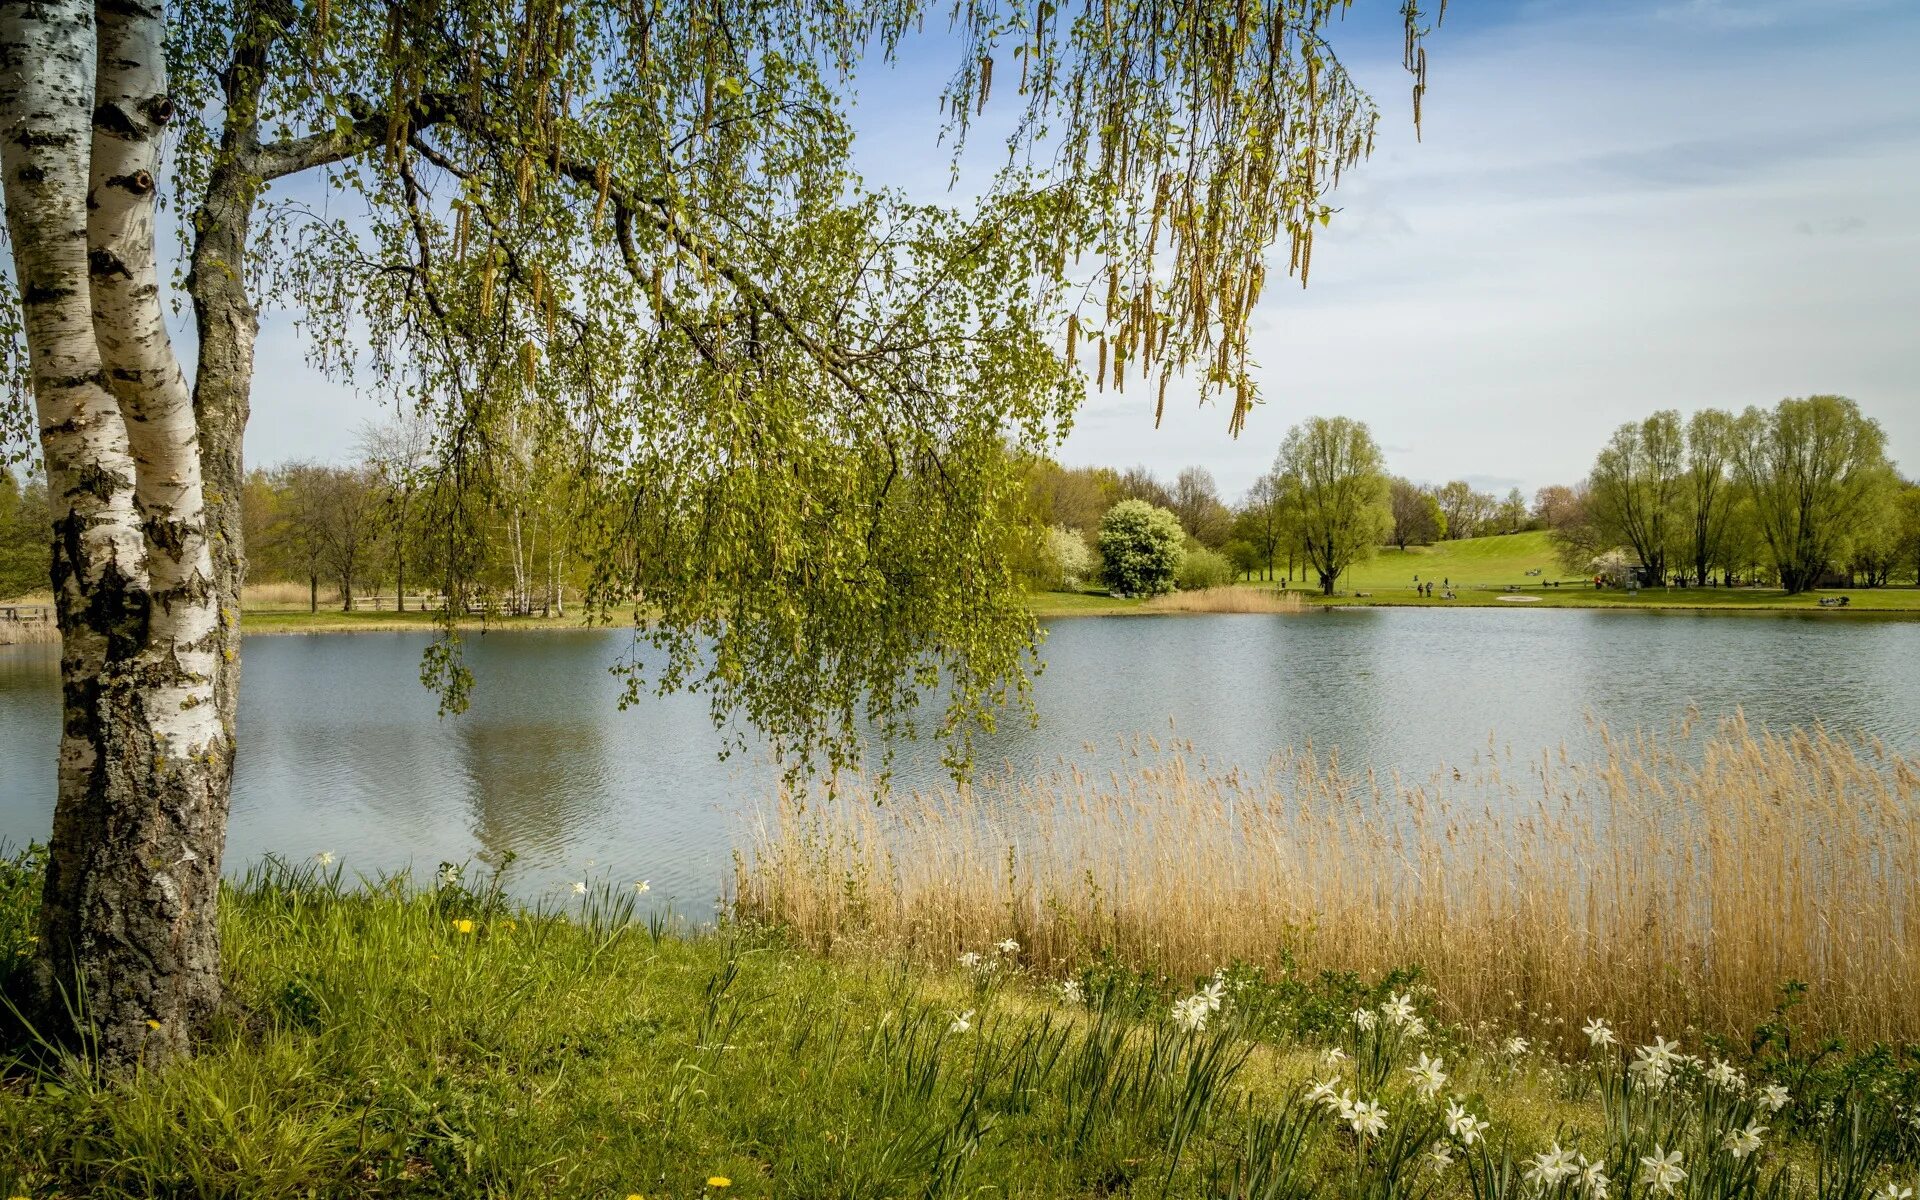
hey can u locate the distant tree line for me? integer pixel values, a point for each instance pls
(1799, 495)
(1326, 503)
(25, 554)
(380, 523)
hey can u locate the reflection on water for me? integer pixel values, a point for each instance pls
(343, 749)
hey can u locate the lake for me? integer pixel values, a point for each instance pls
(343, 751)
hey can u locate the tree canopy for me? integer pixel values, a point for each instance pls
(1336, 483)
(628, 237)
(1140, 548)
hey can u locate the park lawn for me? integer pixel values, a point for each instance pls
(1482, 570)
(1470, 562)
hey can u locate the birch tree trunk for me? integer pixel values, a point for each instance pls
(129, 944)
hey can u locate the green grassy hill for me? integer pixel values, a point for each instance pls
(1470, 562)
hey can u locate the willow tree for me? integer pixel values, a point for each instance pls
(1816, 470)
(1637, 489)
(633, 228)
(1335, 481)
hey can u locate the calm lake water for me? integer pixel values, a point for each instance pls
(343, 750)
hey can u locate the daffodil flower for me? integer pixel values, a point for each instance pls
(1661, 1171)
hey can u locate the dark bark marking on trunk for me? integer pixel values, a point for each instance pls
(103, 262)
(108, 119)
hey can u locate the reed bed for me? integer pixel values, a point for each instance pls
(1669, 882)
(286, 593)
(1235, 599)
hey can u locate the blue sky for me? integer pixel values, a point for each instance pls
(1616, 207)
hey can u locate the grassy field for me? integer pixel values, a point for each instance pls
(1481, 571)
(384, 1041)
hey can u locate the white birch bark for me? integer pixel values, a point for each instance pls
(132, 110)
(46, 108)
(128, 919)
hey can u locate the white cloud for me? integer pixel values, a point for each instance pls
(1615, 208)
(1608, 215)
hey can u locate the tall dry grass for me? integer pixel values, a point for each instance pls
(1673, 881)
(1235, 599)
(285, 593)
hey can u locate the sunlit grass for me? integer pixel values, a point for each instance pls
(387, 1040)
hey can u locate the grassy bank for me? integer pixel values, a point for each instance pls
(1675, 883)
(1516, 570)
(335, 621)
(398, 1042)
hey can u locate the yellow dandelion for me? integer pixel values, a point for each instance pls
(463, 926)
(509, 927)
(635, 1196)
(152, 1024)
(719, 1181)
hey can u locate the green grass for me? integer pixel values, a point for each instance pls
(377, 1046)
(1482, 570)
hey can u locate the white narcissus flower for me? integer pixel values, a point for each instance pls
(1772, 1098)
(1325, 1094)
(1367, 1118)
(1009, 946)
(1071, 993)
(1723, 1075)
(324, 858)
(1599, 1033)
(1593, 1179)
(1428, 1078)
(1398, 1009)
(1663, 1052)
(961, 1022)
(1191, 1013)
(642, 887)
(970, 960)
(1517, 1046)
(1363, 1017)
(1439, 1156)
(1214, 994)
(1742, 1142)
(1549, 1167)
(1661, 1171)
(1893, 1191)
(1463, 1125)
(579, 888)
(1335, 1056)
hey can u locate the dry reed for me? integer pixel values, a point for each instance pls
(287, 594)
(1227, 600)
(1672, 882)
